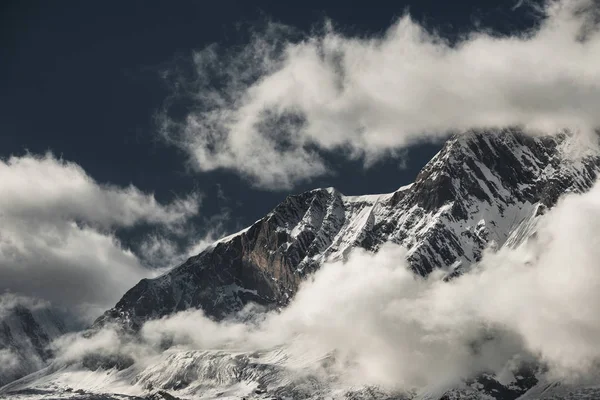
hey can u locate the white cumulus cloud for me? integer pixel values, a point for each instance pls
(268, 110)
(57, 225)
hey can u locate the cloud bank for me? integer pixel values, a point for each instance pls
(57, 232)
(270, 109)
(388, 327)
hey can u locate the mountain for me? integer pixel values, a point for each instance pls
(482, 190)
(25, 333)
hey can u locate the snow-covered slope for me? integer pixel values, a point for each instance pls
(481, 190)
(208, 374)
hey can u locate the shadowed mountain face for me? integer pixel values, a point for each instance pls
(481, 190)
(24, 338)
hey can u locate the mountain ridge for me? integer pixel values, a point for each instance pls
(473, 194)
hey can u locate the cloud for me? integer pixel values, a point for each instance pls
(217, 228)
(57, 232)
(270, 109)
(8, 301)
(383, 325)
(10, 362)
(163, 251)
(54, 189)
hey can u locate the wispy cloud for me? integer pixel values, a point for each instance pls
(164, 250)
(269, 109)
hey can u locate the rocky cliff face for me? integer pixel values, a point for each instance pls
(480, 190)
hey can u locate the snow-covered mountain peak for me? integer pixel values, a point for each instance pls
(481, 189)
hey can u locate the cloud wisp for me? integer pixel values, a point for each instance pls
(269, 110)
(389, 327)
(57, 233)
(163, 251)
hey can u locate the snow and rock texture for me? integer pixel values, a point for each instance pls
(24, 337)
(208, 374)
(481, 190)
(228, 375)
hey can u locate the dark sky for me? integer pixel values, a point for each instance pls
(80, 78)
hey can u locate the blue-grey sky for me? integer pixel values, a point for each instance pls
(81, 79)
